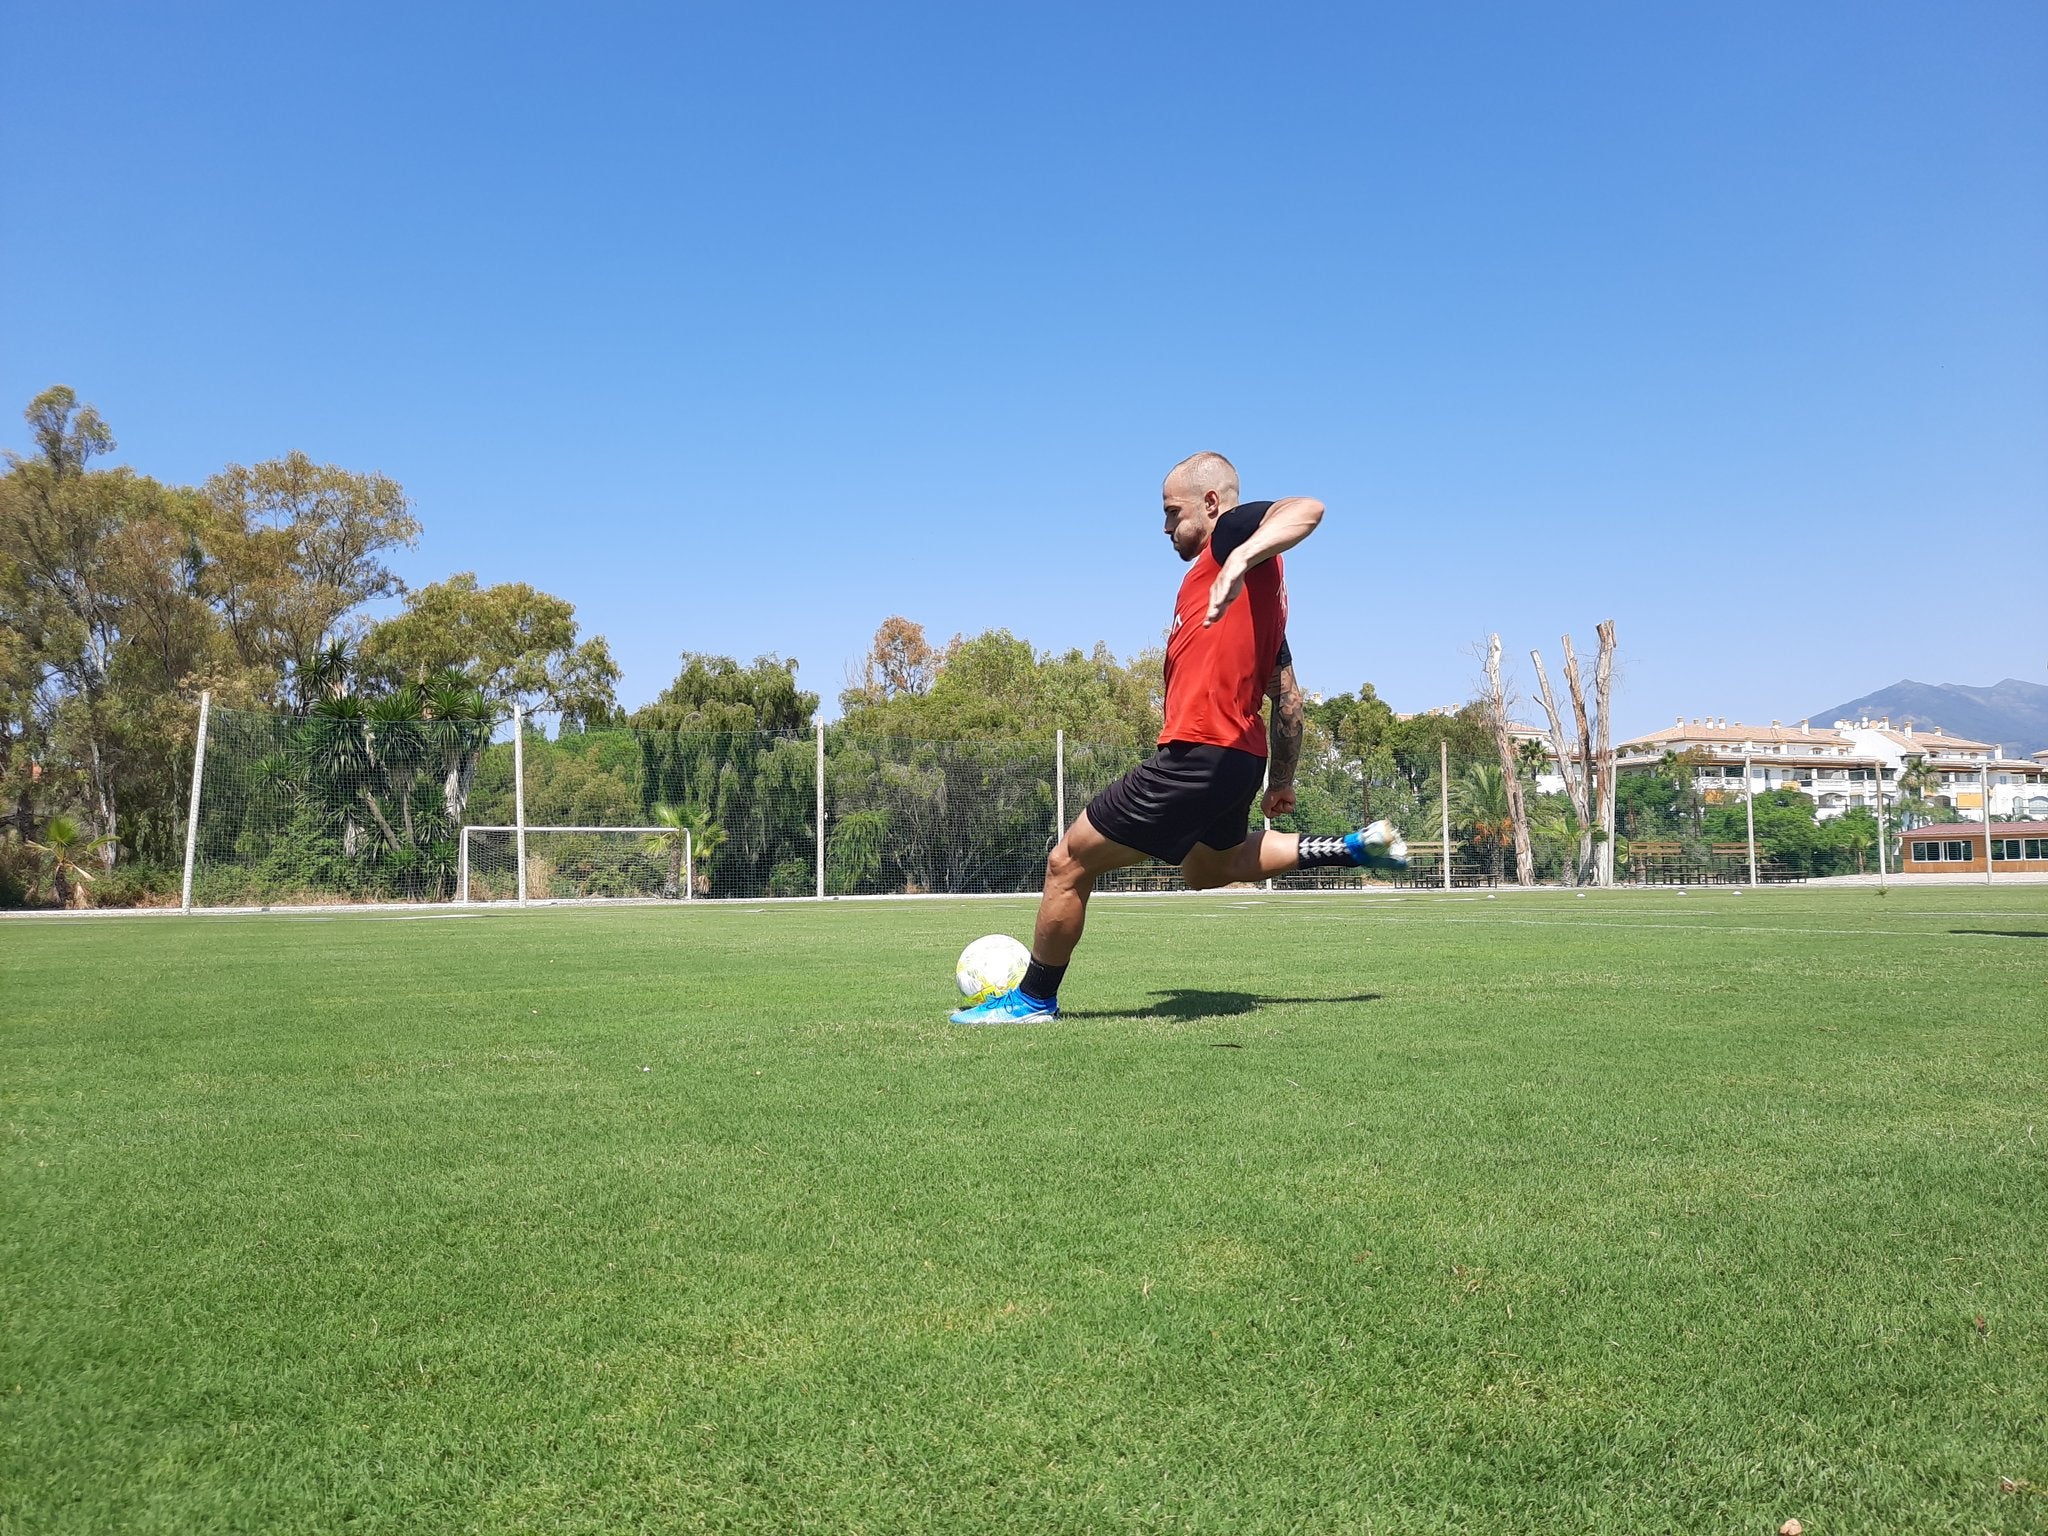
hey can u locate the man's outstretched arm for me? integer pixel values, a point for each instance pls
(1283, 735)
(1287, 522)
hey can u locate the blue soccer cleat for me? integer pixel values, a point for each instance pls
(1378, 846)
(1011, 1007)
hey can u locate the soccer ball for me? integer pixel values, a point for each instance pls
(990, 965)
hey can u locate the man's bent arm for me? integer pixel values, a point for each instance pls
(1287, 522)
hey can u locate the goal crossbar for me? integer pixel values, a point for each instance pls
(524, 832)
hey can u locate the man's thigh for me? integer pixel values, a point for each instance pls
(1205, 868)
(1096, 854)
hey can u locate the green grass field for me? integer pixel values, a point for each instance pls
(1640, 1212)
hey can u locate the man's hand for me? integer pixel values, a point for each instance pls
(1226, 587)
(1279, 801)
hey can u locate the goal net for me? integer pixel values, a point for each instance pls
(576, 864)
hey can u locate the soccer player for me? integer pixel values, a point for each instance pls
(1190, 804)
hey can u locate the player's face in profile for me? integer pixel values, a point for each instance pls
(1188, 516)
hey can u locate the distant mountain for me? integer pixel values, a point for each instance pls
(2012, 712)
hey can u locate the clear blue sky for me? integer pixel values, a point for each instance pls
(743, 327)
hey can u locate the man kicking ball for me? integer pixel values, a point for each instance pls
(1190, 803)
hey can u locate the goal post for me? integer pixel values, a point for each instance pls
(555, 864)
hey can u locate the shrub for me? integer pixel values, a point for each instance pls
(135, 885)
(17, 874)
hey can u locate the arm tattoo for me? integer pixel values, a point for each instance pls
(1283, 731)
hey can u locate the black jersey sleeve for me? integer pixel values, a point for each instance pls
(1286, 656)
(1235, 526)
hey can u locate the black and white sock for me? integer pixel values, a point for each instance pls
(1326, 853)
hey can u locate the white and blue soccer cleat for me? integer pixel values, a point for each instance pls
(1011, 1007)
(1378, 846)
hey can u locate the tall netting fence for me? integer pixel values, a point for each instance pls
(344, 806)
(349, 807)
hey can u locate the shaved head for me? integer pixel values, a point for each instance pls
(1202, 472)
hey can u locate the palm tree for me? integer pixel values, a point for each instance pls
(65, 845)
(1919, 778)
(1481, 796)
(685, 828)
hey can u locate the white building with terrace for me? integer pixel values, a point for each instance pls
(2018, 786)
(1821, 762)
(1843, 766)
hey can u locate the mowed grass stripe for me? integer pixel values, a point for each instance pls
(1465, 1217)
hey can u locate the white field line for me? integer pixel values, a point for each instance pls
(1594, 922)
(1784, 900)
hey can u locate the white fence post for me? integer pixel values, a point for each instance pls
(820, 822)
(1984, 775)
(1749, 814)
(1877, 768)
(192, 813)
(519, 793)
(1059, 786)
(689, 865)
(462, 869)
(1443, 782)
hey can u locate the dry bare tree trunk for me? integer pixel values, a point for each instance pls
(1510, 769)
(1588, 770)
(1603, 693)
(1567, 767)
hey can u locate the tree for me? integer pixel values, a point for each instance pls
(1480, 798)
(96, 597)
(517, 644)
(685, 832)
(1853, 833)
(715, 693)
(1587, 764)
(291, 550)
(1787, 830)
(682, 835)
(996, 686)
(65, 846)
(721, 741)
(1510, 763)
(900, 661)
(1353, 733)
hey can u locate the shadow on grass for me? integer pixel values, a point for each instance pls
(1190, 1003)
(2005, 933)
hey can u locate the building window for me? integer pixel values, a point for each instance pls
(1999, 845)
(1958, 853)
(1927, 853)
(2037, 847)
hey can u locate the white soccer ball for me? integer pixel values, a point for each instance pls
(990, 965)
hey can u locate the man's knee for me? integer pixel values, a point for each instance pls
(1205, 869)
(1064, 870)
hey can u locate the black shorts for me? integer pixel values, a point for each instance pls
(1185, 793)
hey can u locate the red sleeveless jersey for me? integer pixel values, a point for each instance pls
(1216, 675)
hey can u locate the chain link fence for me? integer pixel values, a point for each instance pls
(353, 807)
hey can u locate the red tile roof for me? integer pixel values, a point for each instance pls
(1706, 733)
